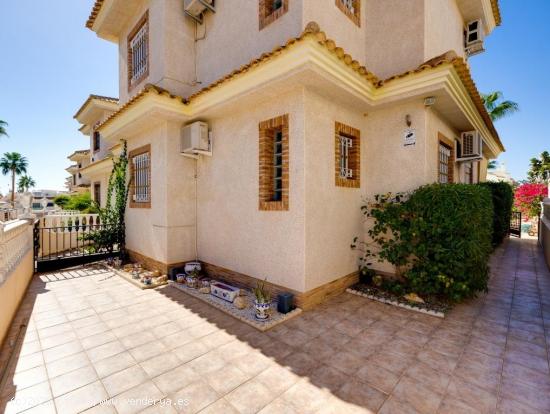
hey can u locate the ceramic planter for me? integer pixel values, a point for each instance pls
(191, 281)
(262, 309)
(191, 266)
(223, 291)
(180, 278)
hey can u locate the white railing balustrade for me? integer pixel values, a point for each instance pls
(62, 233)
(15, 242)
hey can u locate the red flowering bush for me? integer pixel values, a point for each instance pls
(528, 197)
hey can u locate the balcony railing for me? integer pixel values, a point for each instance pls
(15, 242)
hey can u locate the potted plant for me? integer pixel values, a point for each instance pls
(262, 300)
(192, 278)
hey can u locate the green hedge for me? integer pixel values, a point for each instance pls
(503, 200)
(440, 238)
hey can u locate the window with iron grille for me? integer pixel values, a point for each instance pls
(271, 10)
(347, 151)
(273, 164)
(444, 163)
(96, 141)
(352, 9)
(97, 193)
(141, 177)
(138, 52)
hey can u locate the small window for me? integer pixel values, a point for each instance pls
(96, 141)
(444, 163)
(271, 10)
(468, 173)
(273, 164)
(97, 193)
(74, 179)
(347, 155)
(138, 52)
(140, 188)
(352, 9)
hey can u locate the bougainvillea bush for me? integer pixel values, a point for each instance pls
(528, 197)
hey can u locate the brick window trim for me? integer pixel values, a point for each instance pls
(354, 156)
(135, 152)
(442, 139)
(354, 17)
(144, 19)
(266, 17)
(266, 133)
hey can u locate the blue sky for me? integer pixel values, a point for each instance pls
(51, 63)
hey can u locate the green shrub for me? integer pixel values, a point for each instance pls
(81, 202)
(503, 200)
(439, 238)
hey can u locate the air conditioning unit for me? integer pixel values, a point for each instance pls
(196, 8)
(195, 139)
(471, 146)
(473, 38)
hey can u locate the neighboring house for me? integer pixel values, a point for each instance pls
(306, 108)
(500, 173)
(76, 183)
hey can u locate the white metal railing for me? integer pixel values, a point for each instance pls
(15, 242)
(64, 222)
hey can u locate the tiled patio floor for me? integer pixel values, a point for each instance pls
(93, 336)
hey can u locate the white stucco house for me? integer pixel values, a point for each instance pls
(256, 128)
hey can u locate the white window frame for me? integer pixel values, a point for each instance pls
(142, 178)
(346, 143)
(139, 50)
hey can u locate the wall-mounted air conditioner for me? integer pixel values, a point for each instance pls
(196, 139)
(196, 8)
(473, 38)
(471, 146)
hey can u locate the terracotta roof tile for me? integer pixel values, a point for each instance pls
(313, 30)
(465, 76)
(99, 98)
(496, 12)
(94, 13)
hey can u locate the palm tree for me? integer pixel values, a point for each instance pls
(24, 183)
(492, 165)
(3, 131)
(16, 164)
(539, 171)
(498, 108)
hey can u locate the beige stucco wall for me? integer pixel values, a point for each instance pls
(13, 290)
(164, 232)
(444, 28)
(394, 36)
(232, 232)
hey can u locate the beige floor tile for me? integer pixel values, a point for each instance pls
(190, 351)
(176, 379)
(105, 351)
(147, 351)
(27, 398)
(67, 364)
(97, 340)
(250, 397)
(451, 405)
(160, 364)
(207, 363)
(124, 380)
(138, 398)
(417, 395)
(509, 406)
(25, 379)
(72, 380)
(118, 362)
(305, 397)
(347, 362)
(62, 351)
(378, 377)
(277, 406)
(225, 379)
(433, 379)
(278, 379)
(29, 361)
(393, 406)
(361, 394)
(472, 395)
(194, 397)
(300, 363)
(393, 362)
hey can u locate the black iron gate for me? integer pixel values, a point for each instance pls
(515, 224)
(68, 244)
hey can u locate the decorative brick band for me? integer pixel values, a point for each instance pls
(266, 13)
(355, 15)
(354, 156)
(267, 132)
(451, 164)
(150, 263)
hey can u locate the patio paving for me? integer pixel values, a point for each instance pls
(93, 337)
